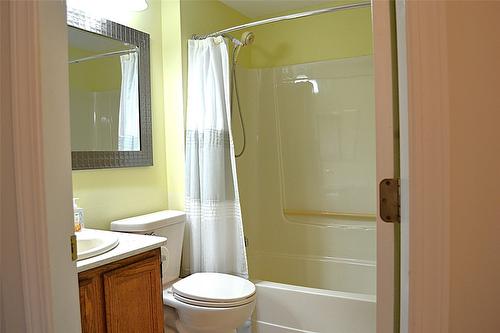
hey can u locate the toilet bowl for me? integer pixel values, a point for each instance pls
(209, 303)
(201, 302)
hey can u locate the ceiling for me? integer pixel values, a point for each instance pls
(264, 8)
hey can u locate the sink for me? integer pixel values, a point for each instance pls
(91, 243)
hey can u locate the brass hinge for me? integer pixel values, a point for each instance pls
(74, 250)
(390, 200)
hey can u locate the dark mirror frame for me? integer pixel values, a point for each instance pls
(119, 159)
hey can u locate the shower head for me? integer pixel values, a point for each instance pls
(247, 38)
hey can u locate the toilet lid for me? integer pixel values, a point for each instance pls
(214, 288)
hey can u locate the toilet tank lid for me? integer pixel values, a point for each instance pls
(149, 222)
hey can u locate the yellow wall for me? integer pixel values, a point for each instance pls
(336, 35)
(109, 194)
(173, 102)
(203, 17)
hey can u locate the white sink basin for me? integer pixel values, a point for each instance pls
(91, 243)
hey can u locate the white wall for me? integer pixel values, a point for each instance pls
(453, 99)
(474, 100)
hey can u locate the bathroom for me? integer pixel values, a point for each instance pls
(327, 252)
(318, 148)
(327, 258)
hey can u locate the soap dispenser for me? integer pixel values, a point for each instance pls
(78, 215)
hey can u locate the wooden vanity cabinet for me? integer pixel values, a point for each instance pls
(123, 296)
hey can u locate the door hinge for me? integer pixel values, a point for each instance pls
(74, 250)
(390, 200)
(246, 241)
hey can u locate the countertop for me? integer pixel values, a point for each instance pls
(129, 245)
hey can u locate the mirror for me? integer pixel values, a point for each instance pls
(104, 93)
(109, 81)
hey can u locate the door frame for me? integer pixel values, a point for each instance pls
(424, 127)
(387, 148)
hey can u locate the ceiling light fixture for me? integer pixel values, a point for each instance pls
(103, 7)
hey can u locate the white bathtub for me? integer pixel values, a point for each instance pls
(283, 308)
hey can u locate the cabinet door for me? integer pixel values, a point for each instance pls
(133, 298)
(91, 307)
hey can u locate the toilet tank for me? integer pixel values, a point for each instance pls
(165, 223)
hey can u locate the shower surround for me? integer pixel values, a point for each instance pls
(310, 152)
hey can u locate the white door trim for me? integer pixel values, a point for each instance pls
(27, 130)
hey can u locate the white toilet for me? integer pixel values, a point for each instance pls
(201, 302)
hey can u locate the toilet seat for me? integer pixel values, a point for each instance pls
(214, 304)
(214, 290)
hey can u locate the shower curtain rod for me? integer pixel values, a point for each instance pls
(286, 18)
(104, 55)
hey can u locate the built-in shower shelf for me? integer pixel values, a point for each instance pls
(329, 214)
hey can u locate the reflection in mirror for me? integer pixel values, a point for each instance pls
(104, 93)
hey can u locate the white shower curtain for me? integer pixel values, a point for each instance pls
(128, 125)
(214, 239)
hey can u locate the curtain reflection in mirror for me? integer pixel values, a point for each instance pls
(129, 132)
